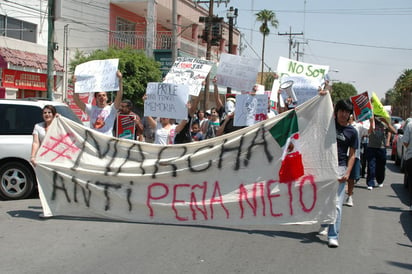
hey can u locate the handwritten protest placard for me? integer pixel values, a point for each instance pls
(305, 78)
(237, 72)
(166, 100)
(362, 107)
(189, 71)
(250, 109)
(97, 76)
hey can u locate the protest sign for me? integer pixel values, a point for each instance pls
(166, 100)
(303, 79)
(126, 126)
(362, 107)
(250, 109)
(97, 76)
(378, 108)
(227, 180)
(189, 71)
(237, 72)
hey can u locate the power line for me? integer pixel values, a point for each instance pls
(357, 45)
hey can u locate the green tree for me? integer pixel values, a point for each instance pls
(266, 17)
(342, 91)
(403, 90)
(136, 67)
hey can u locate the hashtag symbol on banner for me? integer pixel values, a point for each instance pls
(62, 146)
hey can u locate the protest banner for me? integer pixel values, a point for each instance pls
(250, 109)
(362, 107)
(166, 100)
(126, 126)
(303, 79)
(189, 71)
(228, 180)
(237, 72)
(97, 76)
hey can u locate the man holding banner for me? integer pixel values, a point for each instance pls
(102, 115)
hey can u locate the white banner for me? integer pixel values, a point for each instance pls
(237, 72)
(302, 79)
(97, 76)
(234, 179)
(166, 100)
(189, 71)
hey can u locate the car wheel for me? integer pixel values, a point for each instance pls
(17, 181)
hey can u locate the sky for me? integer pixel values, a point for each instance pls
(366, 43)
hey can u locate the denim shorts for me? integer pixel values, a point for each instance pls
(355, 172)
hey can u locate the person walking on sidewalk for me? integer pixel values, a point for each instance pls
(347, 140)
(376, 151)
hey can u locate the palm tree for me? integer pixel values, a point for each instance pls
(265, 16)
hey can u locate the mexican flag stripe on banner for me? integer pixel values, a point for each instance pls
(278, 171)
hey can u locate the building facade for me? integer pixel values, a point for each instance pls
(85, 26)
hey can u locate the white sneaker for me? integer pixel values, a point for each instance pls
(333, 243)
(370, 188)
(323, 231)
(349, 201)
(380, 185)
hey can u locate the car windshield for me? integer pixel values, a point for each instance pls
(68, 113)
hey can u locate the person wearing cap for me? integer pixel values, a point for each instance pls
(226, 111)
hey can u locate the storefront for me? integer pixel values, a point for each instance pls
(24, 74)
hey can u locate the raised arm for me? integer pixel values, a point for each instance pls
(119, 95)
(219, 103)
(76, 97)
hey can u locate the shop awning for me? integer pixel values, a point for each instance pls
(25, 59)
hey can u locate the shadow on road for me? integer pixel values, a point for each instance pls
(405, 217)
(35, 214)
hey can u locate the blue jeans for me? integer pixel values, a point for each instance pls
(376, 165)
(333, 229)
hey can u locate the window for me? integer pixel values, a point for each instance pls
(125, 25)
(19, 119)
(17, 29)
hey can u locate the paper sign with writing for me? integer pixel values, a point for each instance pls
(189, 71)
(362, 107)
(166, 100)
(224, 181)
(97, 76)
(250, 109)
(237, 72)
(306, 78)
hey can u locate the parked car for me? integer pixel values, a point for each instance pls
(17, 120)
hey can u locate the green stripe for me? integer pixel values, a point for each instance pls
(285, 128)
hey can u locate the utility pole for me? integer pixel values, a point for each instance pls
(50, 49)
(290, 33)
(174, 30)
(298, 53)
(231, 14)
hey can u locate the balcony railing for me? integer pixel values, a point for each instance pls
(163, 40)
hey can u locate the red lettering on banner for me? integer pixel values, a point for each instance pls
(213, 200)
(243, 195)
(311, 180)
(150, 197)
(253, 196)
(270, 196)
(194, 203)
(175, 187)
